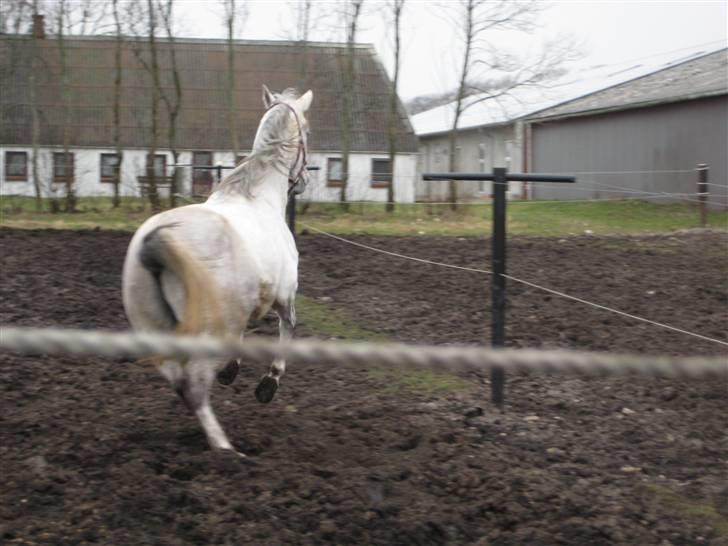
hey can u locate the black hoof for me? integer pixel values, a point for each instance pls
(228, 374)
(266, 389)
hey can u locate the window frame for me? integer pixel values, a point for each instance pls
(16, 177)
(163, 157)
(377, 182)
(332, 182)
(108, 179)
(61, 179)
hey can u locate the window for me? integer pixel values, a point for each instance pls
(333, 172)
(62, 166)
(109, 166)
(16, 166)
(160, 166)
(381, 173)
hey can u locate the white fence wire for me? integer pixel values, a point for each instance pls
(31, 341)
(521, 281)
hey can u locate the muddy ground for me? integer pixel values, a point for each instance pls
(100, 452)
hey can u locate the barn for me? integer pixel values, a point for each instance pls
(203, 135)
(656, 114)
(643, 137)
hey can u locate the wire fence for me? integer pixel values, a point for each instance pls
(30, 341)
(520, 281)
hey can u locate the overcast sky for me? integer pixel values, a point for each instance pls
(607, 32)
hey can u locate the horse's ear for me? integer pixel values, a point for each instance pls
(268, 97)
(304, 100)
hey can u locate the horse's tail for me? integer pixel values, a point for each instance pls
(202, 309)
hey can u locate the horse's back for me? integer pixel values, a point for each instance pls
(267, 238)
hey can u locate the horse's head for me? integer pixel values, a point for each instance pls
(285, 123)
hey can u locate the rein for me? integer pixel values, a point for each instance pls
(293, 181)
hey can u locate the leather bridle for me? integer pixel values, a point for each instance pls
(295, 178)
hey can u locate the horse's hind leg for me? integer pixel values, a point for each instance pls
(268, 385)
(197, 381)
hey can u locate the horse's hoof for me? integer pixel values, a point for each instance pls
(228, 374)
(266, 389)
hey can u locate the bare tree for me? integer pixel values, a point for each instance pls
(14, 16)
(20, 17)
(145, 14)
(393, 119)
(172, 101)
(117, 102)
(306, 16)
(477, 20)
(62, 21)
(352, 12)
(153, 68)
(38, 33)
(234, 11)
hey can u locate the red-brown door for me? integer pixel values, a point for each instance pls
(201, 178)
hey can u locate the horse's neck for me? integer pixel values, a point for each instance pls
(270, 191)
(273, 190)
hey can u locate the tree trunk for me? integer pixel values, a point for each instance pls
(347, 122)
(35, 127)
(231, 80)
(393, 106)
(116, 201)
(68, 173)
(173, 105)
(151, 171)
(452, 136)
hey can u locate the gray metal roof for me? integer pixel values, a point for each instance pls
(203, 121)
(704, 76)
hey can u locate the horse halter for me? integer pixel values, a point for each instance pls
(295, 180)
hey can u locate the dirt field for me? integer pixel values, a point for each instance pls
(102, 452)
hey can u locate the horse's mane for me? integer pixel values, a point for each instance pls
(250, 172)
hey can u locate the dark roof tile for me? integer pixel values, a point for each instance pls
(203, 122)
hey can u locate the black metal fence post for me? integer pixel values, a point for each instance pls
(500, 178)
(498, 281)
(703, 193)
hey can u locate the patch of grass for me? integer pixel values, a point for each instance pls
(419, 381)
(93, 212)
(323, 321)
(524, 217)
(700, 511)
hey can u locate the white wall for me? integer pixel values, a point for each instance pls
(87, 162)
(87, 165)
(359, 187)
(478, 150)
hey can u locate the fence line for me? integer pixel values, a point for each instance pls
(669, 171)
(521, 281)
(33, 341)
(510, 201)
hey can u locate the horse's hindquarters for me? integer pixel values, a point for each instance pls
(199, 253)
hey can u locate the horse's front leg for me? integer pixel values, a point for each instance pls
(269, 382)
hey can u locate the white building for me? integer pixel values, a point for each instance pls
(507, 132)
(204, 135)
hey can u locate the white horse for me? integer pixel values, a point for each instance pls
(209, 268)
